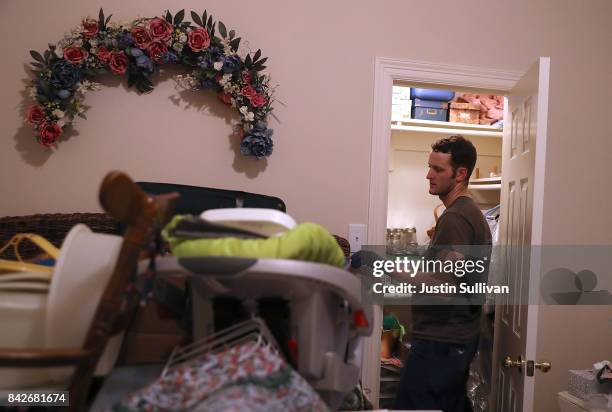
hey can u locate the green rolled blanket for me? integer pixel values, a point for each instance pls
(191, 236)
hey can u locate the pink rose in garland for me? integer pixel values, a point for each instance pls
(75, 55)
(225, 98)
(248, 92)
(160, 29)
(198, 39)
(49, 132)
(141, 37)
(118, 62)
(246, 77)
(90, 28)
(35, 114)
(103, 54)
(157, 51)
(258, 100)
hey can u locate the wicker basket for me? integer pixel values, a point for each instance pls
(53, 227)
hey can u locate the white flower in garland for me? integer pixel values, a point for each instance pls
(58, 113)
(224, 81)
(248, 116)
(218, 66)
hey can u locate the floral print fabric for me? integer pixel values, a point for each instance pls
(249, 377)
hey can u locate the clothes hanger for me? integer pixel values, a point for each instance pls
(42, 272)
(252, 330)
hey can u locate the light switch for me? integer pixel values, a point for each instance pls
(357, 236)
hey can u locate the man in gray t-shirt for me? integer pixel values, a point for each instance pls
(445, 336)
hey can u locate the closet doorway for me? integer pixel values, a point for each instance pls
(523, 158)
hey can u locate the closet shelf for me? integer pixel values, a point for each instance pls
(431, 126)
(486, 180)
(496, 186)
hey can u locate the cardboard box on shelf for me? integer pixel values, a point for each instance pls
(464, 113)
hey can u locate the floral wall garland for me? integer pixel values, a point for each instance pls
(66, 71)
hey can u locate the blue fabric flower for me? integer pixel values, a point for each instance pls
(65, 75)
(170, 57)
(125, 40)
(64, 94)
(144, 62)
(136, 52)
(212, 55)
(208, 83)
(257, 141)
(231, 64)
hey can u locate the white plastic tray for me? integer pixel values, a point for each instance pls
(266, 222)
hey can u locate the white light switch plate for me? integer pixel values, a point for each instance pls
(357, 236)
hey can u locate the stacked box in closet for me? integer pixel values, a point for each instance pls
(430, 104)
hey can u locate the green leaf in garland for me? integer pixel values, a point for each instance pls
(144, 86)
(247, 61)
(209, 24)
(204, 17)
(51, 47)
(36, 56)
(257, 55)
(168, 16)
(235, 43)
(45, 88)
(262, 61)
(47, 56)
(107, 20)
(101, 20)
(38, 65)
(232, 34)
(196, 18)
(212, 30)
(222, 30)
(178, 18)
(259, 68)
(82, 115)
(131, 80)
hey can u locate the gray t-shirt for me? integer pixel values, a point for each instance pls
(462, 228)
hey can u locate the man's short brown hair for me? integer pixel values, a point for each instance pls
(462, 151)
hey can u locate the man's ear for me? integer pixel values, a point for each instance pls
(461, 175)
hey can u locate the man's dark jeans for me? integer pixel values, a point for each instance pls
(435, 376)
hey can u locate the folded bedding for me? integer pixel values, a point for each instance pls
(190, 235)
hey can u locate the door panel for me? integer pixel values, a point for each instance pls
(524, 109)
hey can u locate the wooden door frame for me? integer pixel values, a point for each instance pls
(386, 71)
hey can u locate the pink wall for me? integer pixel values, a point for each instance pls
(321, 55)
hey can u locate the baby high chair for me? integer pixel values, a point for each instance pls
(326, 310)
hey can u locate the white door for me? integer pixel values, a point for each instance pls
(523, 157)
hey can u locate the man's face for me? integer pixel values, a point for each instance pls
(441, 177)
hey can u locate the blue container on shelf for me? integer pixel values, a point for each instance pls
(432, 94)
(430, 110)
